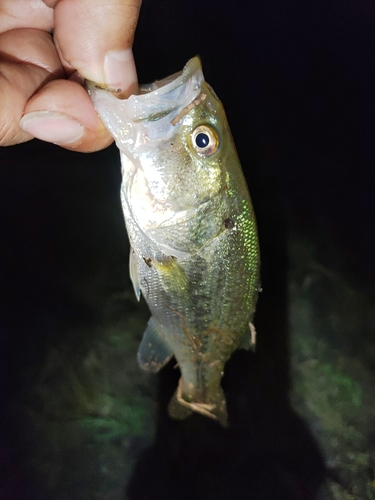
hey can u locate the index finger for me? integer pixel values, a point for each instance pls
(95, 38)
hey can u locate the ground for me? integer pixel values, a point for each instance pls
(333, 359)
(87, 413)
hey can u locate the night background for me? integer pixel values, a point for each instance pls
(78, 419)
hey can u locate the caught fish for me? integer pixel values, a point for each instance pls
(194, 246)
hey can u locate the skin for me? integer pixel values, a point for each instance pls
(47, 49)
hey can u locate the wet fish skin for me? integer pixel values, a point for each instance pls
(195, 253)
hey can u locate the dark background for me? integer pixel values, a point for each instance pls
(297, 82)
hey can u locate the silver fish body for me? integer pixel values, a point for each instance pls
(192, 229)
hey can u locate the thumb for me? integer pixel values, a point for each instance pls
(95, 38)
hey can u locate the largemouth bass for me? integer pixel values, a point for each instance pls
(192, 229)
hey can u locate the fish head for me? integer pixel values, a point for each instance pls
(174, 142)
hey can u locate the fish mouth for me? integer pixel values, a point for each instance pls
(169, 96)
(155, 113)
(158, 84)
(171, 82)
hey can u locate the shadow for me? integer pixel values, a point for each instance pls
(267, 451)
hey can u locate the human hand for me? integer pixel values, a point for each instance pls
(41, 75)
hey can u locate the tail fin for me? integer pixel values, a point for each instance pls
(213, 406)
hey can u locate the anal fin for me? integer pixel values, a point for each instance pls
(153, 352)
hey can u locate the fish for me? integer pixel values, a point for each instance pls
(195, 254)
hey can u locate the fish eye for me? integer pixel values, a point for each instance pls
(205, 140)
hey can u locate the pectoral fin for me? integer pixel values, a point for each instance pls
(134, 276)
(153, 352)
(172, 276)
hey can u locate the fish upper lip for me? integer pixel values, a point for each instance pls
(195, 102)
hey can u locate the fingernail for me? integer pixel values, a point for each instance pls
(120, 73)
(52, 127)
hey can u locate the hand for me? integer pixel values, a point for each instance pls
(41, 75)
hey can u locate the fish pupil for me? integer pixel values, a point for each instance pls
(202, 140)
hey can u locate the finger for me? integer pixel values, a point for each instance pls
(28, 60)
(95, 37)
(17, 14)
(62, 113)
